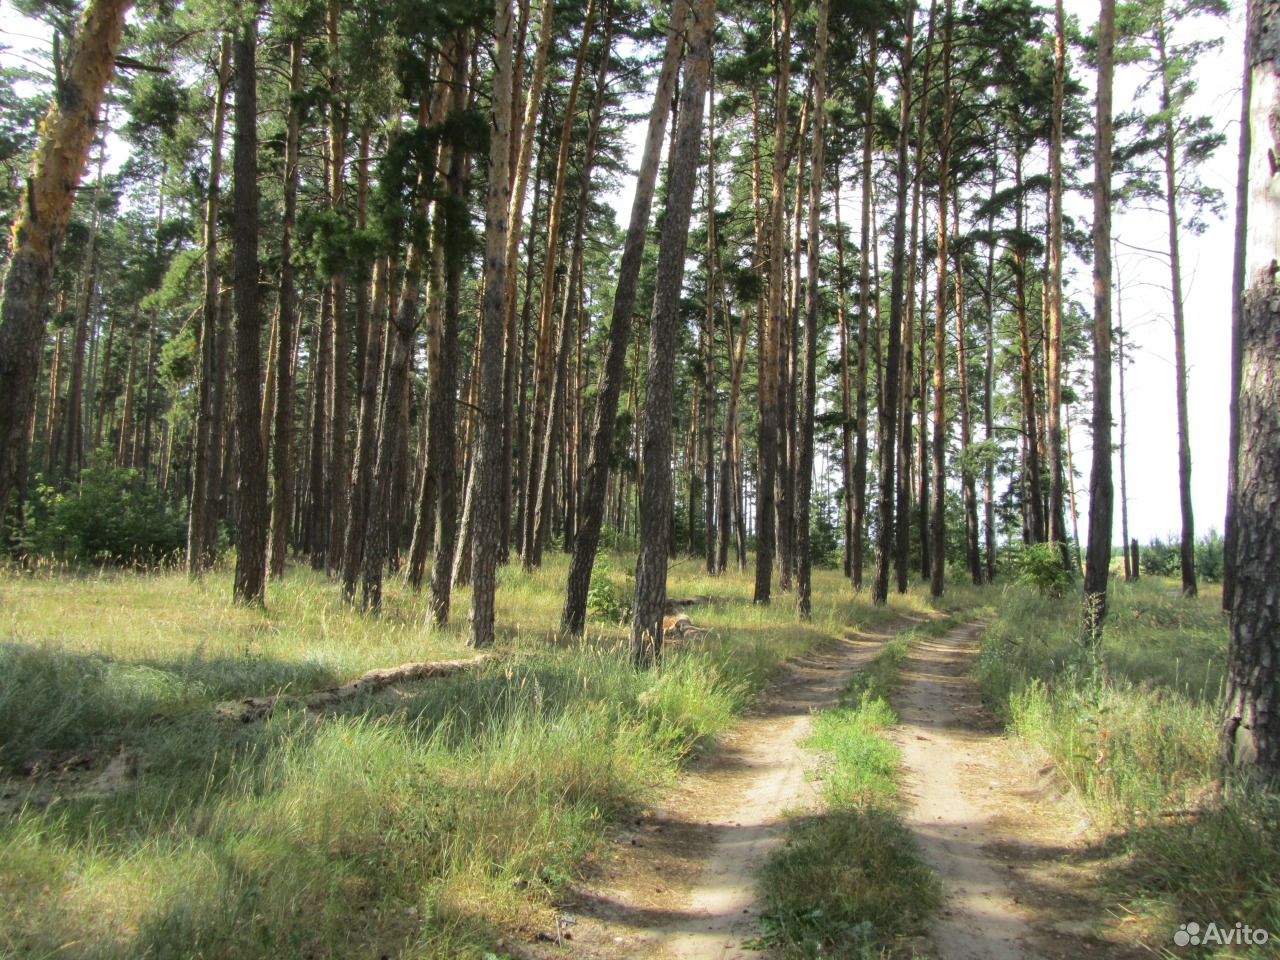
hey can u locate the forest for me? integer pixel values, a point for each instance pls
(638, 378)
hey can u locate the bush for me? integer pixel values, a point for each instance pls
(603, 601)
(1039, 565)
(109, 515)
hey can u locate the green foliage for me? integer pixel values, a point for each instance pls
(1163, 558)
(1134, 730)
(603, 599)
(1039, 565)
(108, 516)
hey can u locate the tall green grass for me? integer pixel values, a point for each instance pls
(1133, 727)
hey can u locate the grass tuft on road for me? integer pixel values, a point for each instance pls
(849, 882)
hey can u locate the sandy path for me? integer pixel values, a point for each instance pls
(681, 884)
(1008, 846)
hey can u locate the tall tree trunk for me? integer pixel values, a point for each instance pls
(286, 324)
(486, 499)
(1034, 498)
(864, 322)
(1053, 353)
(1251, 723)
(595, 478)
(804, 472)
(1124, 431)
(521, 151)
(442, 434)
(63, 149)
(846, 391)
(548, 352)
(73, 436)
(888, 425)
(251, 488)
(709, 345)
(656, 484)
(340, 383)
(201, 538)
(1170, 152)
(968, 483)
(988, 387)
(772, 332)
(1101, 493)
(938, 529)
(1238, 281)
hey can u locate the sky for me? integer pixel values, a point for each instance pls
(1142, 300)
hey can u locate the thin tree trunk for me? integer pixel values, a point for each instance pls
(1101, 493)
(772, 333)
(864, 322)
(804, 472)
(251, 489)
(1035, 500)
(286, 324)
(1053, 356)
(1188, 546)
(888, 425)
(938, 529)
(200, 536)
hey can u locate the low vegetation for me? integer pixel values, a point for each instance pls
(1133, 728)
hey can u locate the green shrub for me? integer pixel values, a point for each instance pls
(1039, 565)
(110, 515)
(603, 602)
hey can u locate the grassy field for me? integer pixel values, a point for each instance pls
(1134, 729)
(435, 819)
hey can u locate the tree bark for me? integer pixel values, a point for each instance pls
(938, 530)
(487, 498)
(1101, 493)
(804, 471)
(251, 488)
(864, 325)
(1053, 348)
(656, 484)
(1251, 723)
(61, 155)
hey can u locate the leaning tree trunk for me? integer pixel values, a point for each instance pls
(804, 469)
(61, 155)
(656, 489)
(1101, 493)
(251, 488)
(486, 500)
(595, 479)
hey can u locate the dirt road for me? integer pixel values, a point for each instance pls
(1008, 846)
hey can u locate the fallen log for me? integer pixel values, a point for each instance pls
(250, 709)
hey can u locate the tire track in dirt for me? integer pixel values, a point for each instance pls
(1018, 875)
(680, 882)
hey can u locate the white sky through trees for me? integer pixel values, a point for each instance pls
(1142, 288)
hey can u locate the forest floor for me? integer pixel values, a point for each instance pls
(1009, 845)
